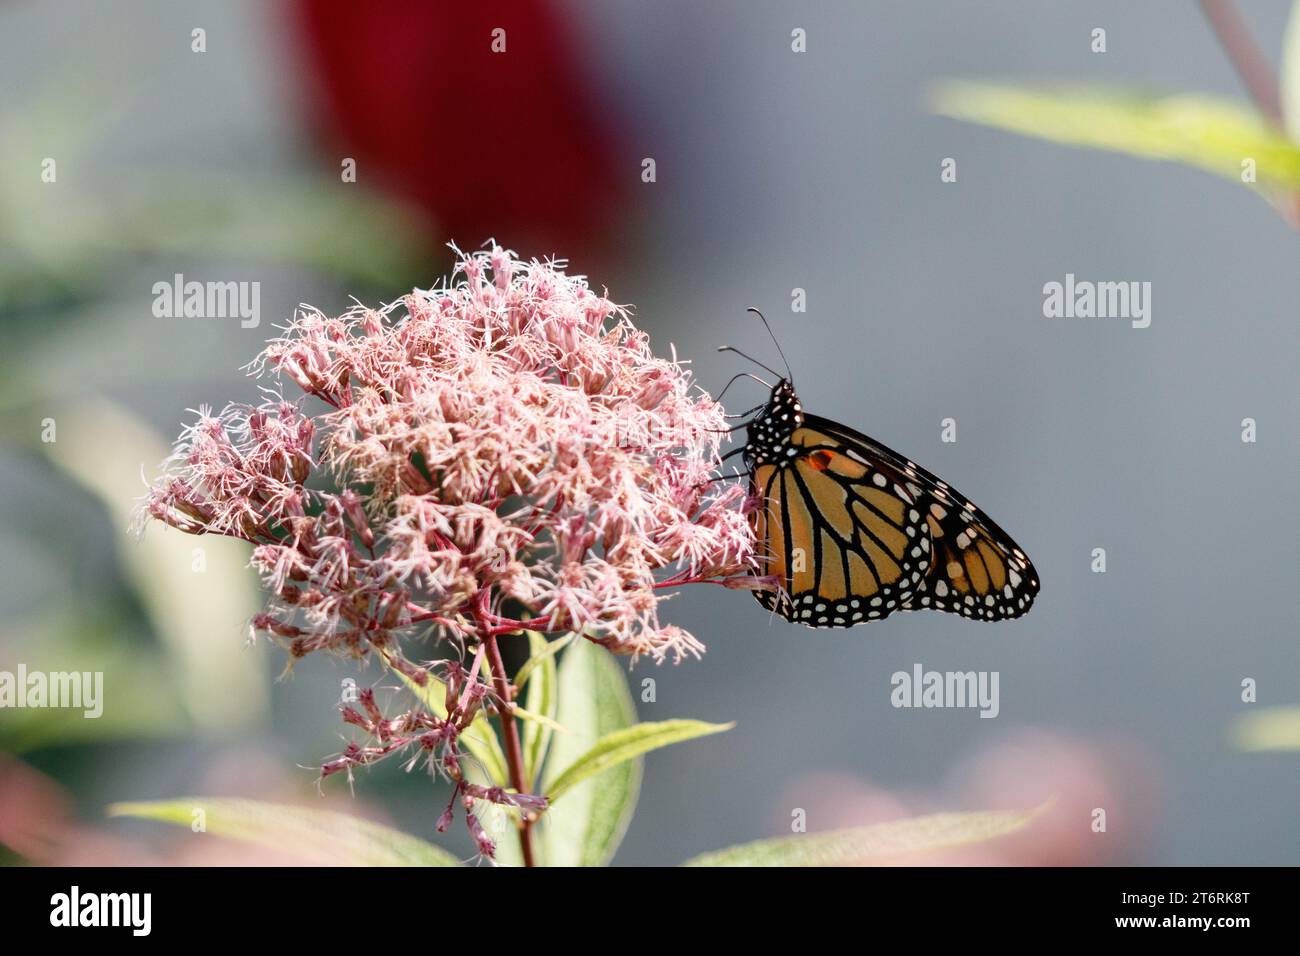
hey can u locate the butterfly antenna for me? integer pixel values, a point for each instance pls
(780, 351)
(738, 375)
(739, 474)
(726, 431)
(745, 414)
(732, 348)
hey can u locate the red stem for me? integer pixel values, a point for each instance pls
(1258, 77)
(510, 735)
(1246, 57)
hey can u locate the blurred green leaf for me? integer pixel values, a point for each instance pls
(480, 739)
(337, 228)
(317, 836)
(198, 592)
(881, 843)
(620, 745)
(587, 827)
(540, 720)
(541, 698)
(68, 237)
(1289, 74)
(81, 637)
(55, 120)
(530, 665)
(1201, 131)
(1272, 728)
(93, 348)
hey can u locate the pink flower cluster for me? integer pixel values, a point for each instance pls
(504, 449)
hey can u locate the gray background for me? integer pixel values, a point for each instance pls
(821, 171)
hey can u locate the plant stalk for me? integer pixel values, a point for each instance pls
(1246, 57)
(510, 737)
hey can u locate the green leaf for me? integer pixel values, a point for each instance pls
(614, 748)
(541, 720)
(480, 739)
(197, 592)
(530, 665)
(1273, 728)
(317, 836)
(587, 827)
(1202, 131)
(1289, 75)
(541, 697)
(883, 842)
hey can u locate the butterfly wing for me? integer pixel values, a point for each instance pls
(843, 535)
(977, 571)
(878, 533)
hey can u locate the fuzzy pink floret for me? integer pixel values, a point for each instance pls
(505, 446)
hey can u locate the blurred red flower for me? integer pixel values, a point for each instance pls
(511, 145)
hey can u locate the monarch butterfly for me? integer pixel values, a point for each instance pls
(854, 531)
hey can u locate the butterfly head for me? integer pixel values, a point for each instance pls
(768, 435)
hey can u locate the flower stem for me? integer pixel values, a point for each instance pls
(1246, 57)
(510, 735)
(1257, 76)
